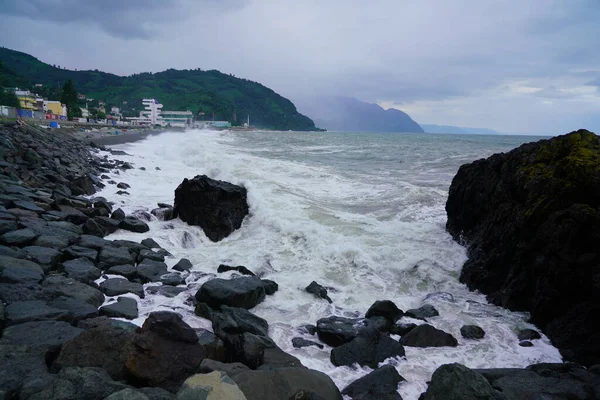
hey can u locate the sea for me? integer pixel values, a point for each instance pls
(363, 214)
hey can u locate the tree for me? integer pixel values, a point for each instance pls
(101, 115)
(69, 98)
(9, 99)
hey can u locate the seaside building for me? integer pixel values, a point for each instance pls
(26, 99)
(55, 107)
(177, 118)
(152, 110)
(212, 124)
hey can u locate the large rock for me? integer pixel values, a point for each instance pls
(171, 326)
(77, 310)
(106, 346)
(457, 382)
(21, 237)
(369, 348)
(335, 331)
(244, 292)
(14, 270)
(111, 256)
(81, 269)
(33, 310)
(531, 220)
(381, 384)
(134, 225)
(283, 383)
(49, 334)
(118, 286)
(58, 286)
(213, 386)
(16, 363)
(427, 336)
(124, 307)
(151, 271)
(217, 207)
(386, 309)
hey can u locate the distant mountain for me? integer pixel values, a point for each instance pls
(228, 97)
(350, 114)
(430, 128)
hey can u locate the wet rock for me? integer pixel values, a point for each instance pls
(117, 286)
(183, 265)
(528, 334)
(82, 270)
(163, 214)
(7, 226)
(240, 268)
(369, 348)
(401, 328)
(231, 369)
(171, 326)
(457, 382)
(335, 331)
(270, 286)
(124, 307)
(172, 279)
(318, 290)
(49, 334)
(33, 310)
(299, 342)
(236, 321)
(19, 238)
(73, 215)
(122, 192)
(472, 332)
(93, 242)
(134, 225)
(44, 256)
(77, 310)
(525, 343)
(386, 309)
(217, 207)
(111, 256)
(240, 292)
(18, 362)
(151, 271)
(308, 328)
(167, 291)
(283, 383)
(217, 384)
(75, 252)
(126, 270)
(51, 241)
(427, 336)
(151, 244)
(27, 205)
(213, 346)
(118, 214)
(123, 185)
(127, 394)
(381, 384)
(14, 270)
(151, 255)
(106, 346)
(55, 286)
(91, 227)
(422, 313)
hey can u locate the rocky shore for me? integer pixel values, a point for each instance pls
(66, 295)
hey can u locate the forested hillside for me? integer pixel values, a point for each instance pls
(228, 97)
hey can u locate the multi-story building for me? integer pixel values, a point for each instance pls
(177, 118)
(26, 99)
(55, 107)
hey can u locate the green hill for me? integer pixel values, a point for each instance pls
(230, 98)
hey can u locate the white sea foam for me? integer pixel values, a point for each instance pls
(350, 216)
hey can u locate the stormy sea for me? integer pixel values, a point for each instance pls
(360, 213)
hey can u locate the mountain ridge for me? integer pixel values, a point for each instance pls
(208, 92)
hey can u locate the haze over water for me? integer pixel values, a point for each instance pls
(362, 214)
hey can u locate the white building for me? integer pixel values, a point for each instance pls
(177, 118)
(153, 110)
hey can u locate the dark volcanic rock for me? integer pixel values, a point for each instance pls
(167, 291)
(335, 331)
(134, 225)
(318, 290)
(74, 252)
(111, 256)
(528, 334)
(427, 311)
(14, 270)
(46, 257)
(239, 292)
(33, 310)
(151, 271)
(50, 334)
(124, 307)
(457, 382)
(171, 326)
(82, 270)
(240, 268)
(531, 220)
(77, 310)
(370, 347)
(427, 336)
(270, 286)
(401, 328)
(472, 332)
(20, 237)
(126, 270)
(57, 286)
(217, 207)
(386, 309)
(381, 384)
(118, 214)
(183, 265)
(150, 243)
(118, 286)
(299, 342)
(172, 279)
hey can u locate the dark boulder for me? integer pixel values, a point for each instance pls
(74, 252)
(299, 343)
(111, 256)
(108, 225)
(472, 332)
(44, 256)
(14, 270)
(124, 307)
(528, 334)
(422, 313)
(82, 270)
(91, 227)
(239, 292)
(151, 271)
(427, 336)
(270, 286)
(457, 382)
(49, 334)
(167, 291)
(77, 310)
(55, 286)
(93, 242)
(240, 268)
(32, 310)
(19, 238)
(386, 309)
(118, 214)
(368, 348)
(150, 243)
(172, 279)
(401, 328)
(151, 255)
(217, 207)
(531, 220)
(335, 331)
(171, 326)
(214, 347)
(106, 346)
(381, 384)
(283, 383)
(17, 363)
(126, 270)
(318, 290)
(118, 286)
(236, 321)
(183, 265)
(134, 225)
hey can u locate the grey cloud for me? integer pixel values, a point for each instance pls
(127, 19)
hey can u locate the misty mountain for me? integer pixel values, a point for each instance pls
(431, 128)
(350, 114)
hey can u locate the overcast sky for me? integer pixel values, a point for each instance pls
(516, 66)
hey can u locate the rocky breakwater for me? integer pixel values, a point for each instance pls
(531, 221)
